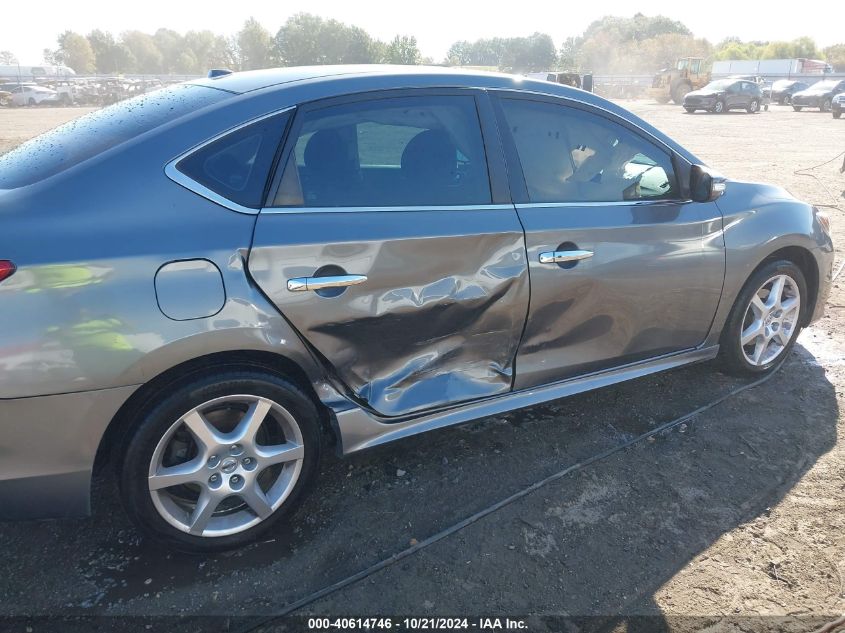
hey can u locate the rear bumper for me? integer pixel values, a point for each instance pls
(47, 450)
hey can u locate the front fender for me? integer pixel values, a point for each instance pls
(758, 221)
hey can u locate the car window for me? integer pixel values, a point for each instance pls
(237, 165)
(409, 151)
(80, 139)
(569, 155)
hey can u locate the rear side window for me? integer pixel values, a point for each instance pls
(409, 151)
(569, 155)
(236, 166)
(94, 133)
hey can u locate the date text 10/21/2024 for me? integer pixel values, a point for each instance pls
(417, 624)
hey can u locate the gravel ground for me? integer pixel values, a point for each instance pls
(730, 522)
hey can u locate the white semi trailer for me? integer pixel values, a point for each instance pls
(771, 67)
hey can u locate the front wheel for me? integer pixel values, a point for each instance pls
(837, 114)
(219, 459)
(719, 108)
(765, 320)
(690, 110)
(797, 108)
(680, 91)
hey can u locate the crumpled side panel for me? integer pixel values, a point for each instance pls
(438, 319)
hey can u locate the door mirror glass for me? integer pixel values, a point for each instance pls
(704, 185)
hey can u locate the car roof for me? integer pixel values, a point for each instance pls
(250, 80)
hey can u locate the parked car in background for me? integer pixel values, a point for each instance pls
(837, 105)
(67, 92)
(782, 90)
(725, 94)
(820, 95)
(32, 95)
(214, 285)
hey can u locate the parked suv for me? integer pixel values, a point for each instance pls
(725, 94)
(783, 89)
(820, 95)
(212, 286)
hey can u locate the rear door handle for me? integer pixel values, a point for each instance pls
(303, 284)
(560, 257)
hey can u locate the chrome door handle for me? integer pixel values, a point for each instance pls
(301, 284)
(560, 257)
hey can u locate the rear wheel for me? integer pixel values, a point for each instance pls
(765, 320)
(754, 106)
(31, 101)
(787, 100)
(219, 459)
(837, 114)
(825, 107)
(690, 110)
(797, 108)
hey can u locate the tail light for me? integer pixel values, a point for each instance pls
(7, 269)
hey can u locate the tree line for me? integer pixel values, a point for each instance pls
(639, 44)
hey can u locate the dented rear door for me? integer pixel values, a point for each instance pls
(390, 248)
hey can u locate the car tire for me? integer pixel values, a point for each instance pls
(244, 477)
(797, 108)
(837, 114)
(31, 102)
(787, 100)
(825, 106)
(690, 110)
(753, 107)
(719, 108)
(761, 329)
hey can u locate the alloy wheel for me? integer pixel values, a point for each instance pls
(771, 320)
(226, 465)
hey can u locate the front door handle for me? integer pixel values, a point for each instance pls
(302, 284)
(561, 257)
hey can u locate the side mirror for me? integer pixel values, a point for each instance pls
(704, 185)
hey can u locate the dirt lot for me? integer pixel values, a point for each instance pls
(734, 517)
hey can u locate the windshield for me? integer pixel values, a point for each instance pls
(824, 85)
(82, 138)
(722, 84)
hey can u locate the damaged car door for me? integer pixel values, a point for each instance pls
(387, 248)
